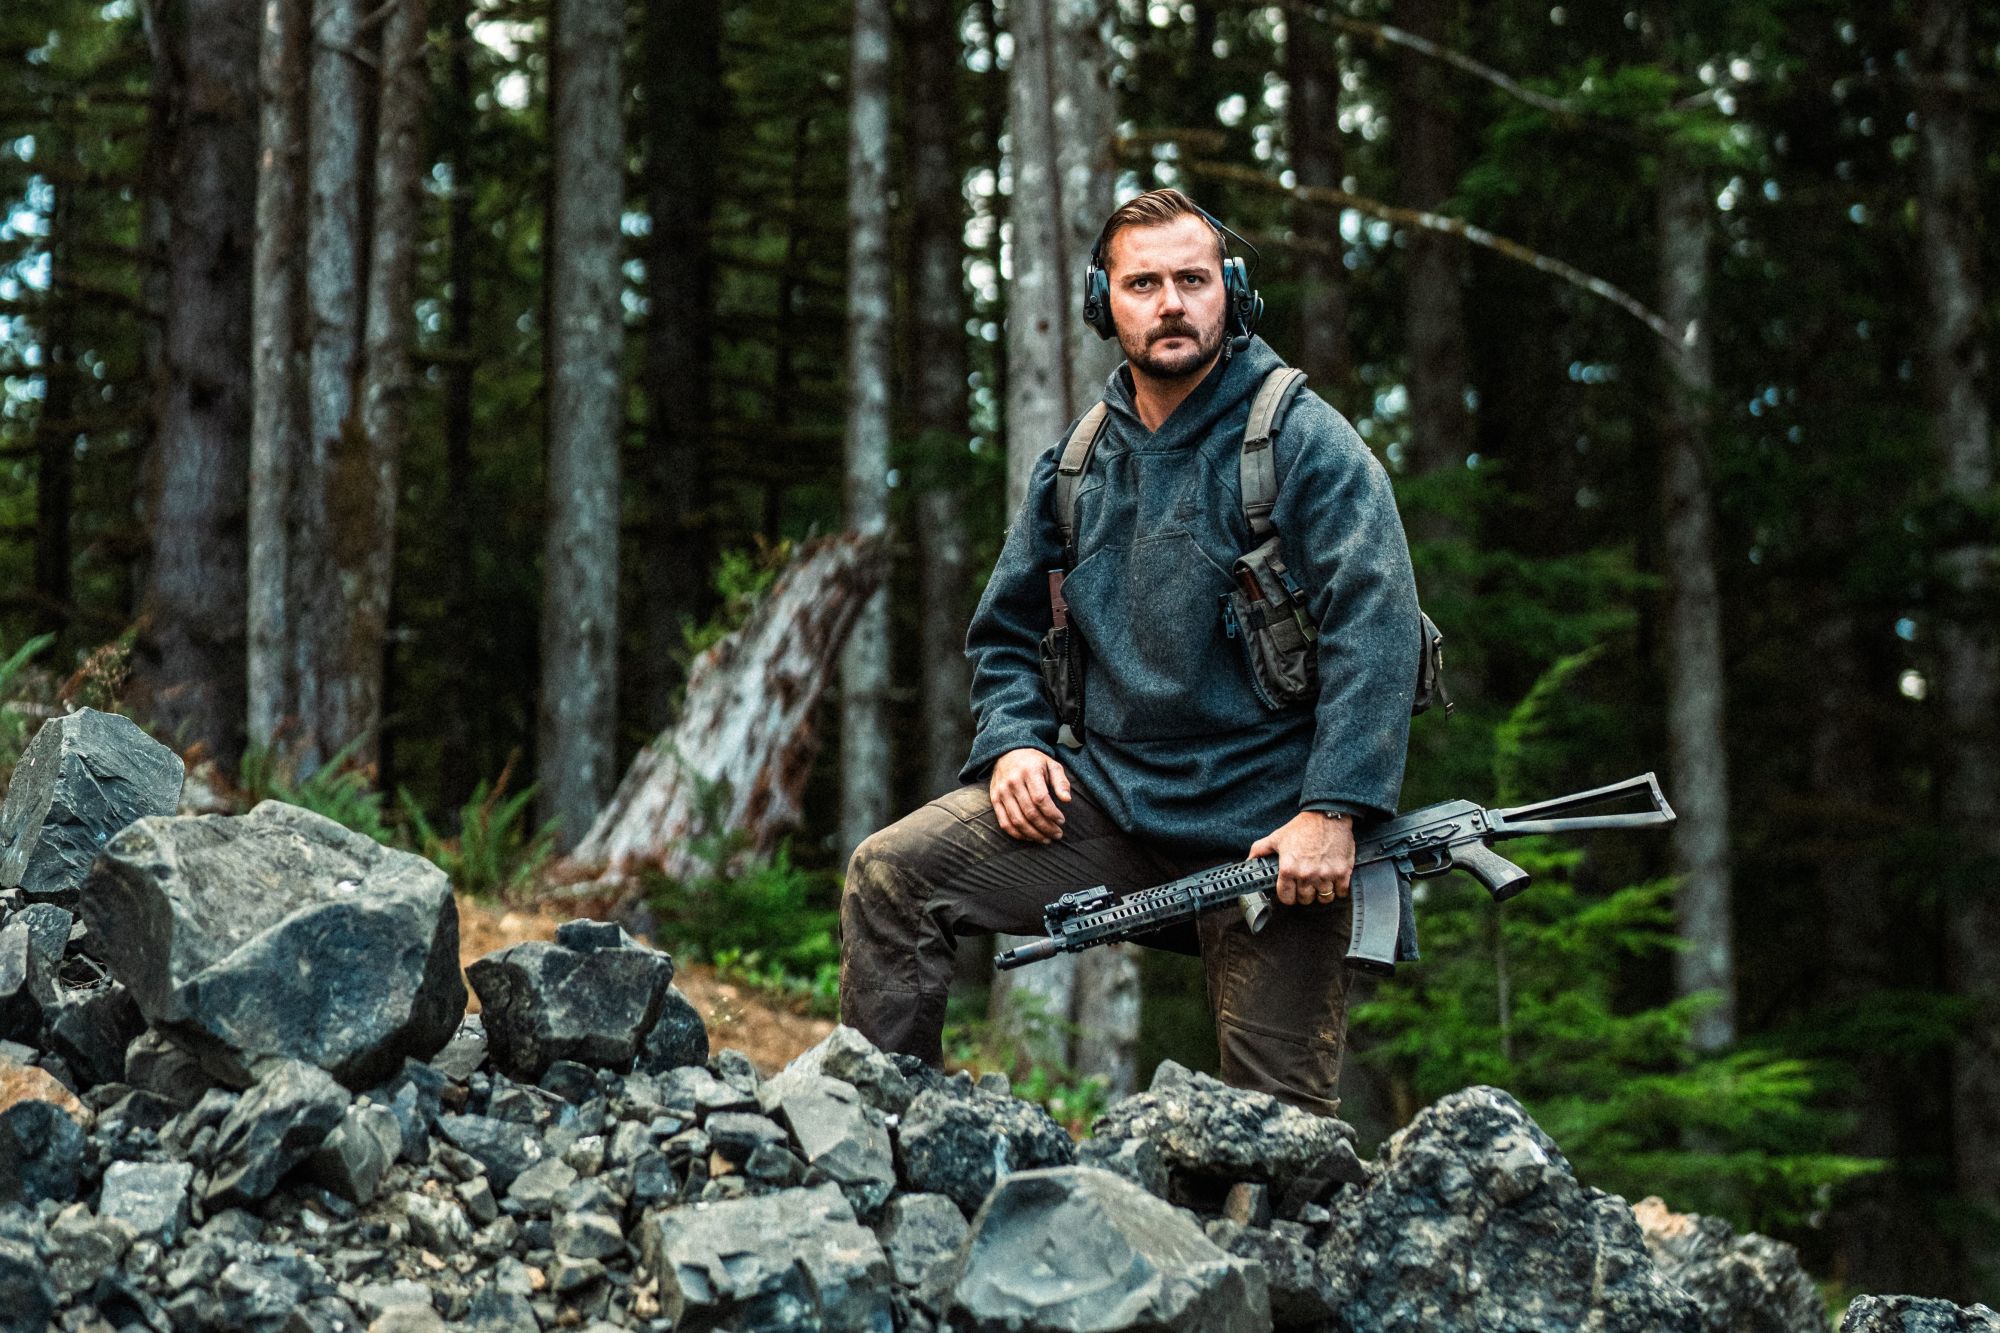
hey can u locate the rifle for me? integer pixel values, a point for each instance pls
(1451, 835)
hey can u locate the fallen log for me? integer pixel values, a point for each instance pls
(735, 763)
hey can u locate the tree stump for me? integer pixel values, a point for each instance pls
(736, 761)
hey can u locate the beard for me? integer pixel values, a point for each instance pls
(1173, 365)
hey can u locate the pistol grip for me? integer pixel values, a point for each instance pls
(1502, 878)
(1377, 895)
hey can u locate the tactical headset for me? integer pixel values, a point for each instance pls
(1245, 306)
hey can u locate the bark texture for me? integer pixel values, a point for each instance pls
(1968, 692)
(191, 665)
(459, 372)
(586, 418)
(1421, 120)
(682, 91)
(866, 757)
(1061, 115)
(1697, 752)
(277, 432)
(1312, 131)
(369, 544)
(744, 742)
(937, 375)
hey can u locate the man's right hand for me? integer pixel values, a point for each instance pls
(1024, 790)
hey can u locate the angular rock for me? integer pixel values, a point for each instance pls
(1301, 1295)
(1078, 1250)
(1916, 1314)
(536, 1188)
(352, 1160)
(82, 779)
(271, 1129)
(734, 1135)
(921, 1234)
(1137, 1160)
(464, 1053)
(280, 934)
(504, 1149)
(25, 1083)
(156, 1064)
(149, 1197)
(678, 1037)
(260, 1292)
(544, 1001)
(1211, 1136)
(795, 1259)
(959, 1141)
(27, 984)
(92, 1028)
(41, 1153)
(1476, 1220)
(81, 1250)
(27, 1298)
(853, 1059)
(692, 1091)
(439, 1225)
(1744, 1284)
(837, 1132)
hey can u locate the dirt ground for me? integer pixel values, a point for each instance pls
(759, 1025)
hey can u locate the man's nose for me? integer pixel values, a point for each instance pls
(1170, 298)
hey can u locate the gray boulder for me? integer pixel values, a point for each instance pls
(1301, 1295)
(959, 1141)
(82, 779)
(27, 984)
(1210, 1136)
(280, 934)
(1744, 1284)
(837, 1132)
(1916, 1314)
(41, 1153)
(544, 1002)
(921, 1234)
(792, 1260)
(1477, 1221)
(678, 1037)
(91, 1029)
(850, 1057)
(505, 1149)
(352, 1160)
(27, 1300)
(1079, 1250)
(270, 1129)
(149, 1197)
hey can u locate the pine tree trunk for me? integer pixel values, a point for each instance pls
(1061, 114)
(385, 382)
(277, 434)
(323, 503)
(574, 740)
(937, 286)
(1312, 121)
(1421, 117)
(55, 443)
(192, 665)
(865, 754)
(683, 106)
(1968, 687)
(1698, 758)
(456, 760)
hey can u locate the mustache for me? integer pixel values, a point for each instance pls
(1173, 329)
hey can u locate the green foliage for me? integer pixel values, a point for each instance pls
(1015, 1048)
(17, 720)
(339, 788)
(741, 578)
(496, 853)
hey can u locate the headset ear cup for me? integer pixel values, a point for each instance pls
(1097, 301)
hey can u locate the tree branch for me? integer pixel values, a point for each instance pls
(1411, 217)
(1384, 35)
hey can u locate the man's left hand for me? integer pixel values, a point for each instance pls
(1315, 857)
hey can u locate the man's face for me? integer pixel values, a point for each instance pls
(1166, 296)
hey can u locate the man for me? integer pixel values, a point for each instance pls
(1181, 765)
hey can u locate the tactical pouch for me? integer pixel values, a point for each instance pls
(1062, 672)
(1266, 611)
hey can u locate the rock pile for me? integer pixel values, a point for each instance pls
(238, 1092)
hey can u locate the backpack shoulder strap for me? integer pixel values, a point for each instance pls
(1074, 463)
(1259, 467)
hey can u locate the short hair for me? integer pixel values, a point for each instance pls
(1155, 208)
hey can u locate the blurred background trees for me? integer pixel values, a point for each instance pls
(407, 390)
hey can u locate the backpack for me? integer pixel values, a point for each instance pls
(1266, 610)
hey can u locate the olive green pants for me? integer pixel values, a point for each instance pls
(1279, 996)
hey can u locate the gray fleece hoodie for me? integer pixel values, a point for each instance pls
(1176, 744)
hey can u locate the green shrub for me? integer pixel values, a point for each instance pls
(340, 789)
(495, 853)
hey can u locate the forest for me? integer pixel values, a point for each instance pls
(397, 397)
